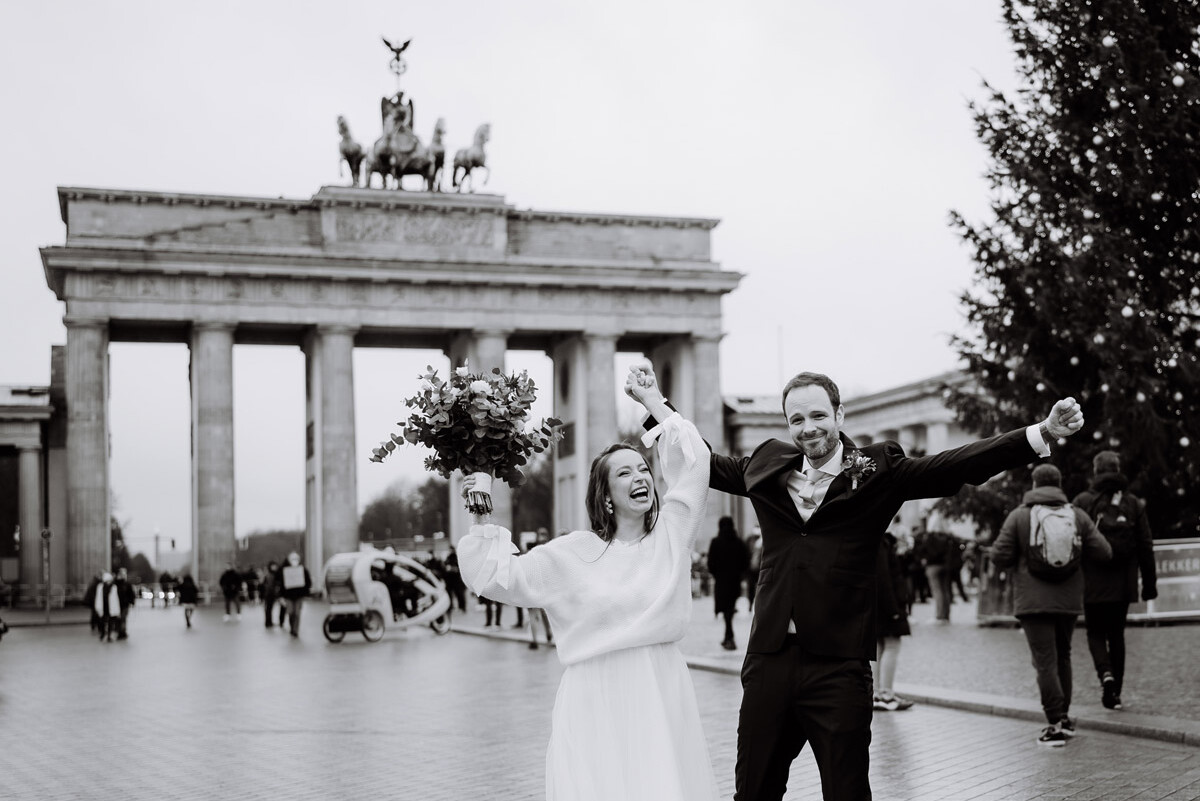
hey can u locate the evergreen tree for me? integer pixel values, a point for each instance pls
(1087, 274)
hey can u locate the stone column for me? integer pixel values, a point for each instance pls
(29, 513)
(211, 375)
(339, 482)
(937, 437)
(600, 394)
(88, 549)
(708, 413)
(480, 351)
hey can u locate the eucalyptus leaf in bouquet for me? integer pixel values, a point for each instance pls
(475, 423)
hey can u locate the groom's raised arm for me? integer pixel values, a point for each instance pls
(945, 473)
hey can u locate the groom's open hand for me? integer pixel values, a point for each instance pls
(1065, 418)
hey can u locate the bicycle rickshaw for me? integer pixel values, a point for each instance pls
(371, 591)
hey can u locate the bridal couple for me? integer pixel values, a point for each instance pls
(626, 725)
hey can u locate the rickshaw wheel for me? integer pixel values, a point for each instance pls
(332, 636)
(372, 626)
(441, 625)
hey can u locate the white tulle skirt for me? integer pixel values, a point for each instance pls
(626, 727)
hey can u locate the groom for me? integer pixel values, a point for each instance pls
(823, 505)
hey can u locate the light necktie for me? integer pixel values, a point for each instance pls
(808, 489)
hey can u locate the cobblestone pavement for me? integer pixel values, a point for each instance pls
(231, 710)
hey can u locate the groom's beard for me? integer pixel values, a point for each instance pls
(816, 449)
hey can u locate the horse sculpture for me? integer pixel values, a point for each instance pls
(424, 161)
(352, 152)
(472, 157)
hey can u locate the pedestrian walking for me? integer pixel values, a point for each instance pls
(270, 593)
(1109, 588)
(954, 568)
(454, 582)
(189, 595)
(231, 588)
(891, 595)
(89, 600)
(107, 606)
(297, 583)
(1046, 539)
(126, 598)
(933, 551)
(167, 584)
(728, 560)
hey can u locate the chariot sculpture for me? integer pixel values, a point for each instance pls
(399, 151)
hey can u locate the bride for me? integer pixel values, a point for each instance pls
(625, 723)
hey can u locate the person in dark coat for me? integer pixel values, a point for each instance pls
(189, 594)
(297, 583)
(891, 614)
(454, 582)
(1109, 587)
(231, 588)
(89, 600)
(126, 597)
(270, 590)
(728, 559)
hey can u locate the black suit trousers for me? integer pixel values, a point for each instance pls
(790, 698)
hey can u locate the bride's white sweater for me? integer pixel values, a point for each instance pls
(604, 596)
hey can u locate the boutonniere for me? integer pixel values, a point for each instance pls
(857, 465)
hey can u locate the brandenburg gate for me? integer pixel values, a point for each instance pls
(468, 274)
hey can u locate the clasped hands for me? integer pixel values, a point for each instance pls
(642, 385)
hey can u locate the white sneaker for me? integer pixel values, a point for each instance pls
(225, 619)
(239, 616)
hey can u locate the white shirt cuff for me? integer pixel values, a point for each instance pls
(1034, 435)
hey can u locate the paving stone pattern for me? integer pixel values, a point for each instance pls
(233, 710)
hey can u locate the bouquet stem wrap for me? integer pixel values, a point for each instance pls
(479, 499)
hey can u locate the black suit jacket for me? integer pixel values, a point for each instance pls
(821, 574)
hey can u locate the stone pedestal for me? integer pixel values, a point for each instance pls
(88, 532)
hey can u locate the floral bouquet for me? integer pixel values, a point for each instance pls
(476, 423)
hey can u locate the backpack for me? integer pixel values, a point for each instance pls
(1116, 517)
(1055, 544)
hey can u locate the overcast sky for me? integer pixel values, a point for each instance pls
(830, 139)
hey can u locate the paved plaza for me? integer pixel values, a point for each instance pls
(234, 710)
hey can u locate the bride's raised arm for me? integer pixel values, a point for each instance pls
(683, 458)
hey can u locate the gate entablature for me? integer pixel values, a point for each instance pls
(429, 261)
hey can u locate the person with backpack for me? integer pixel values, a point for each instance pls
(1109, 588)
(1044, 541)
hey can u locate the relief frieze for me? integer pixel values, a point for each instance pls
(442, 230)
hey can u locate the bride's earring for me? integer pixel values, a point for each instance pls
(608, 505)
